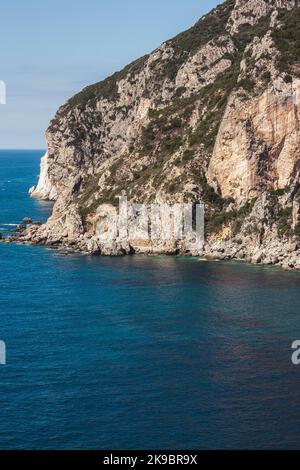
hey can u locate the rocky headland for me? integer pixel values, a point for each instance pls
(212, 115)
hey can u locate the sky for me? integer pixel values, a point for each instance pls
(51, 49)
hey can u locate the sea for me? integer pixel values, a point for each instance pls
(140, 352)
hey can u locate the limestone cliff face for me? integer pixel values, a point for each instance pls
(45, 189)
(211, 115)
(258, 144)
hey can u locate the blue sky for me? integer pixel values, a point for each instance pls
(52, 49)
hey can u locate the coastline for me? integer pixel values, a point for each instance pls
(27, 235)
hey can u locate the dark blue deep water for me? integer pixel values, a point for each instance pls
(140, 352)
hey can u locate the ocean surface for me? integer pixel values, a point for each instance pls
(140, 352)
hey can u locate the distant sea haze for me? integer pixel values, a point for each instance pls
(140, 352)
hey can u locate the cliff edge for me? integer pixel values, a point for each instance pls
(212, 115)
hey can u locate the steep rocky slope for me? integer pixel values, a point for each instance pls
(211, 115)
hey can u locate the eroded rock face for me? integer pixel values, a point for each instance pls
(258, 144)
(211, 115)
(45, 189)
(249, 12)
(203, 67)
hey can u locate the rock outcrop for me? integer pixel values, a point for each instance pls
(212, 115)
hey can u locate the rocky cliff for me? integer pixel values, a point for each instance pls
(211, 115)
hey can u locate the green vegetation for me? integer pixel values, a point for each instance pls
(215, 96)
(171, 145)
(179, 105)
(247, 84)
(284, 221)
(204, 30)
(287, 40)
(173, 187)
(187, 155)
(209, 27)
(176, 123)
(247, 32)
(107, 88)
(88, 190)
(208, 195)
(147, 139)
(233, 217)
(282, 216)
(169, 128)
(275, 193)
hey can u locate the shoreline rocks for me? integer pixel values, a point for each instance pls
(286, 256)
(213, 115)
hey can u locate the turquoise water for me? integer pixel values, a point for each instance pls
(140, 352)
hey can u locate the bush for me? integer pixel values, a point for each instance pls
(176, 123)
(284, 221)
(247, 84)
(170, 145)
(287, 39)
(187, 155)
(209, 27)
(234, 217)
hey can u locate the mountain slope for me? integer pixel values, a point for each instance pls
(211, 115)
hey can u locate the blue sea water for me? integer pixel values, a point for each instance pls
(140, 352)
